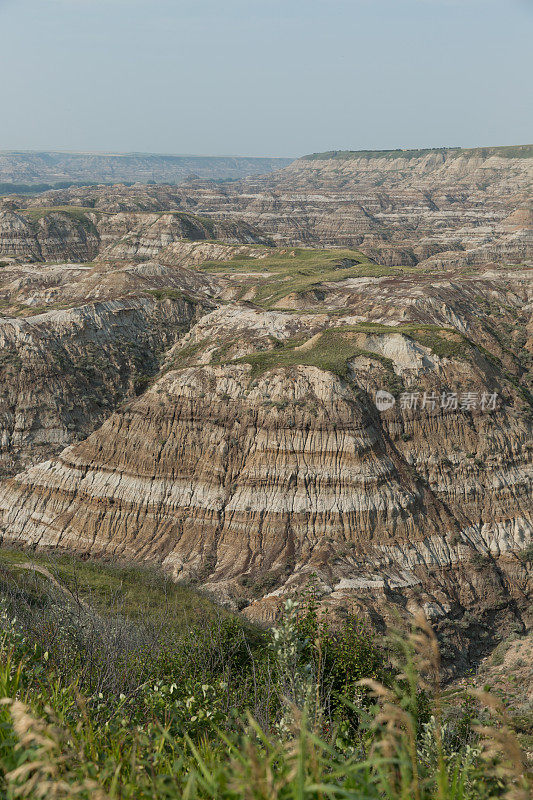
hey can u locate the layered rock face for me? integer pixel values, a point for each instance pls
(78, 339)
(80, 235)
(399, 207)
(62, 372)
(231, 478)
(258, 460)
(446, 207)
(49, 237)
(255, 418)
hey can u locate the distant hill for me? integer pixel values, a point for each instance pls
(511, 151)
(21, 170)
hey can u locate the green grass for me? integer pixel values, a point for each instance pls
(76, 212)
(186, 356)
(170, 294)
(335, 347)
(331, 352)
(285, 261)
(444, 342)
(298, 270)
(187, 732)
(140, 588)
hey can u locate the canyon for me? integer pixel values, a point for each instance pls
(191, 376)
(399, 207)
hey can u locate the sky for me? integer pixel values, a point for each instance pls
(264, 77)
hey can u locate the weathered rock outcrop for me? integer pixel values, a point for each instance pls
(218, 399)
(48, 237)
(400, 207)
(80, 234)
(258, 459)
(63, 372)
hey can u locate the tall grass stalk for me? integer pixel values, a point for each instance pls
(161, 742)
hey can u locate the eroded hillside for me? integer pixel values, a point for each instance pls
(443, 207)
(186, 393)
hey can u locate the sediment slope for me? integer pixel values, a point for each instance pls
(448, 207)
(258, 458)
(63, 372)
(401, 207)
(80, 234)
(194, 396)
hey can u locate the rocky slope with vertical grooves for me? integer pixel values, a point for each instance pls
(401, 207)
(218, 400)
(450, 206)
(63, 372)
(258, 459)
(81, 234)
(78, 339)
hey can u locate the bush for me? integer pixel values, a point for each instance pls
(341, 656)
(170, 733)
(526, 555)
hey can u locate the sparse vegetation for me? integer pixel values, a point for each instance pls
(510, 151)
(526, 555)
(76, 213)
(480, 560)
(169, 294)
(444, 342)
(333, 348)
(331, 351)
(297, 271)
(187, 354)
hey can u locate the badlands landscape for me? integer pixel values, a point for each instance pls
(266, 420)
(31, 171)
(190, 372)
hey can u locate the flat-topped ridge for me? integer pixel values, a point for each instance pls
(508, 151)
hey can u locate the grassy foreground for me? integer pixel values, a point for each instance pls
(115, 683)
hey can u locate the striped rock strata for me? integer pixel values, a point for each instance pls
(82, 234)
(250, 482)
(63, 372)
(400, 207)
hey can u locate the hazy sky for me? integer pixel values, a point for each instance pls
(264, 77)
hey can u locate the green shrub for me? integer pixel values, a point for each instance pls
(168, 732)
(526, 555)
